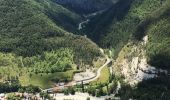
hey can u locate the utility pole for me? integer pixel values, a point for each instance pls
(82, 86)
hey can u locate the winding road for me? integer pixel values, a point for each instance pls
(81, 25)
(84, 96)
(86, 81)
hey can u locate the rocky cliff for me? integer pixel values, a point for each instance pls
(132, 63)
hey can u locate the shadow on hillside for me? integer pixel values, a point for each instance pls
(116, 12)
(152, 89)
(85, 6)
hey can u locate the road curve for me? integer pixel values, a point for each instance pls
(80, 26)
(86, 81)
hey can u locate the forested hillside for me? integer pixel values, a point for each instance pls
(86, 6)
(36, 41)
(120, 22)
(156, 49)
(158, 30)
(63, 17)
(41, 44)
(156, 26)
(28, 25)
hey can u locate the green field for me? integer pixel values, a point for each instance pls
(42, 71)
(42, 80)
(45, 80)
(104, 77)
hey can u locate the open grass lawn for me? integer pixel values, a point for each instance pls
(27, 78)
(45, 80)
(104, 77)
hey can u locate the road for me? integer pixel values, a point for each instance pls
(81, 25)
(87, 17)
(84, 96)
(86, 81)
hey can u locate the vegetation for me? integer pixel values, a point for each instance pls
(102, 89)
(45, 96)
(47, 80)
(43, 80)
(63, 17)
(51, 62)
(104, 77)
(120, 22)
(85, 6)
(37, 47)
(26, 30)
(153, 89)
(68, 91)
(11, 86)
(14, 86)
(34, 42)
(156, 26)
(158, 49)
(38, 70)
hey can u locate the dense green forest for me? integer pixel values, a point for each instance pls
(131, 19)
(40, 43)
(86, 6)
(36, 41)
(152, 89)
(158, 49)
(63, 17)
(50, 62)
(120, 22)
(26, 30)
(156, 26)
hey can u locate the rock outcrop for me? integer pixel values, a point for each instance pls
(132, 63)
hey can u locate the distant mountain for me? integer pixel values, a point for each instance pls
(86, 6)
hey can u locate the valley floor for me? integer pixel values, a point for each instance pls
(79, 96)
(86, 77)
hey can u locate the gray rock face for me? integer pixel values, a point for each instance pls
(86, 6)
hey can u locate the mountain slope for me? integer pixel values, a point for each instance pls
(156, 26)
(158, 49)
(144, 60)
(86, 6)
(26, 30)
(63, 17)
(120, 22)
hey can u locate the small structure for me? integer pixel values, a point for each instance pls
(2, 96)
